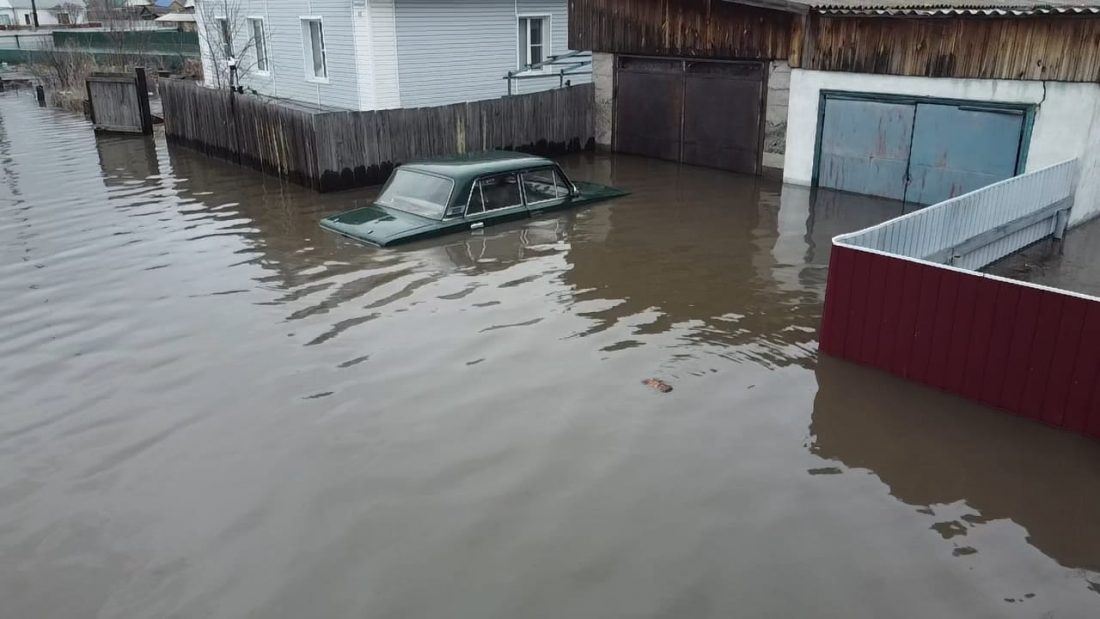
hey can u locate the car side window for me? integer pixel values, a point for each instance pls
(477, 204)
(494, 192)
(544, 185)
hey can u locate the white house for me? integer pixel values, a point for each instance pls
(378, 54)
(50, 12)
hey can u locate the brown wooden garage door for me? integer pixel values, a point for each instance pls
(702, 113)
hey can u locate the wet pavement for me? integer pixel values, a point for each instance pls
(1072, 264)
(212, 408)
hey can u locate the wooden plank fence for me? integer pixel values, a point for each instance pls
(119, 102)
(329, 151)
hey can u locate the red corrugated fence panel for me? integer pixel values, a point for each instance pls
(947, 316)
(1060, 375)
(1000, 342)
(877, 291)
(962, 332)
(925, 323)
(907, 323)
(981, 338)
(891, 313)
(1086, 370)
(857, 308)
(1043, 340)
(1027, 350)
(1019, 351)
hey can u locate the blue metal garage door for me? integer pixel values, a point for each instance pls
(920, 152)
(865, 147)
(960, 149)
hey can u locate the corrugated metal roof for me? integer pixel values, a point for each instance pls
(908, 8)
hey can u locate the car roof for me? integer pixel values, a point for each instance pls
(465, 167)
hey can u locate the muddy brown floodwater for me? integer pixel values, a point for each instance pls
(209, 407)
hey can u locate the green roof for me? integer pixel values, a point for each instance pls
(463, 168)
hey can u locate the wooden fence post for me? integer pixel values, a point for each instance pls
(91, 103)
(143, 101)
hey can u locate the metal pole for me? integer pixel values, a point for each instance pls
(34, 11)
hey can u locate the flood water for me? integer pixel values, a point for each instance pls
(1070, 264)
(209, 407)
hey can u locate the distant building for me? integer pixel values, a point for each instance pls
(378, 54)
(50, 12)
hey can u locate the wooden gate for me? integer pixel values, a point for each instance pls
(119, 102)
(704, 113)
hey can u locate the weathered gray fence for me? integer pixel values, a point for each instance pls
(339, 150)
(977, 228)
(119, 102)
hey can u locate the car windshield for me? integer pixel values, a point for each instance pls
(417, 193)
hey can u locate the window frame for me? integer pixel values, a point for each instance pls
(307, 49)
(225, 35)
(64, 18)
(266, 60)
(476, 185)
(523, 56)
(558, 175)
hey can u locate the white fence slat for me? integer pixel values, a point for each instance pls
(941, 227)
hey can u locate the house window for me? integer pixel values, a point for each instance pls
(534, 45)
(259, 43)
(227, 37)
(27, 18)
(313, 34)
(64, 19)
(5, 20)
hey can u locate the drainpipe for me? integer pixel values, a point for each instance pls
(34, 12)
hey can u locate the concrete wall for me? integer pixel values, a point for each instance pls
(775, 113)
(1066, 123)
(603, 76)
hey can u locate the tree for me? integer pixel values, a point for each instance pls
(227, 42)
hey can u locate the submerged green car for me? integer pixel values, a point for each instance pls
(432, 198)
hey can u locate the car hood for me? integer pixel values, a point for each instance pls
(377, 224)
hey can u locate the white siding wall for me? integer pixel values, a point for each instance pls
(286, 51)
(460, 51)
(394, 53)
(383, 50)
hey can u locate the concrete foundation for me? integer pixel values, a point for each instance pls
(775, 114)
(603, 76)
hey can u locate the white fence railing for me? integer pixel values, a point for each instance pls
(975, 229)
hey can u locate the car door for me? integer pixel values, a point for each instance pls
(494, 199)
(545, 189)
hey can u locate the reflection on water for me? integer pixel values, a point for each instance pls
(213, 408)
(1070, 264)
(976, 466)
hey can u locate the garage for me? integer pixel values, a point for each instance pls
(694, 112)
(921, 151)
